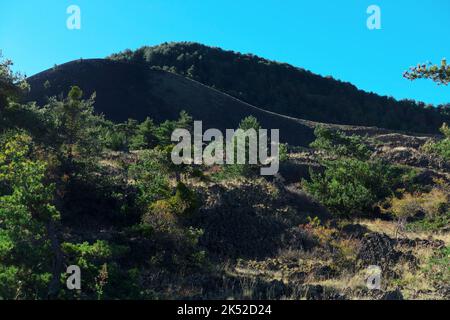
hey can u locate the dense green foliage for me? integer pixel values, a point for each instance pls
(350, 183)
(11, 84)
(442, 147)
(237, 170)
(132, 135)
(350, 186)
(26, 213)
(57, 198)
(339, 144)
(151, 176)
(288, 90)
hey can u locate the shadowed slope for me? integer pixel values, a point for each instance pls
(286, 89)
(126, 90)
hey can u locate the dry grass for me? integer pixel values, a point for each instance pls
(345, 282)
(389, 227)
(414, 282)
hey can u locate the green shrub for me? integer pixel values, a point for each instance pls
(185, 201)
(145, 137)
(116, 141)
(338, 144)
(165, 212)
(349, 186)
(97, 262)
(236, 171)
(150, 176)
(442, 147)
(351, 183)
(233, 171)
(26, 211)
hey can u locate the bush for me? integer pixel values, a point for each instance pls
(433, 205)
(98, 262)
(184, 202)
(350, 186)
(150, 175)
(338, 144)
(233, 171)
(407, 206)
(160, 216)
(145, 137)
(442, 147)
(116, 141)
(176, 244)
(181, 205)
(350, 183)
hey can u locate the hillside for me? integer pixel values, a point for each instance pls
(288, 90)
(79, 190)
(130, 90)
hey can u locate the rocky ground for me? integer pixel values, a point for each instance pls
(281, 244)
(268, 239)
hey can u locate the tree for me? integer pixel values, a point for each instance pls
(336, 143)
(127, 130)
(350, 186)
(145, 137)
(75, 130)
(30, 254)
(151, 176)
(11, 84)
(350, 182)
(242, 145)
(185, 121)
(165, 129)
(442, 147)
(438, 73)
(247, 142)
(248, 123)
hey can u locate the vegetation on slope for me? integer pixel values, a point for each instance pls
(76, 189)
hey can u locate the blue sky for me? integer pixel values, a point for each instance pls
(328, 37)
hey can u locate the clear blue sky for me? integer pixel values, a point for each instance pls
(328, 37)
